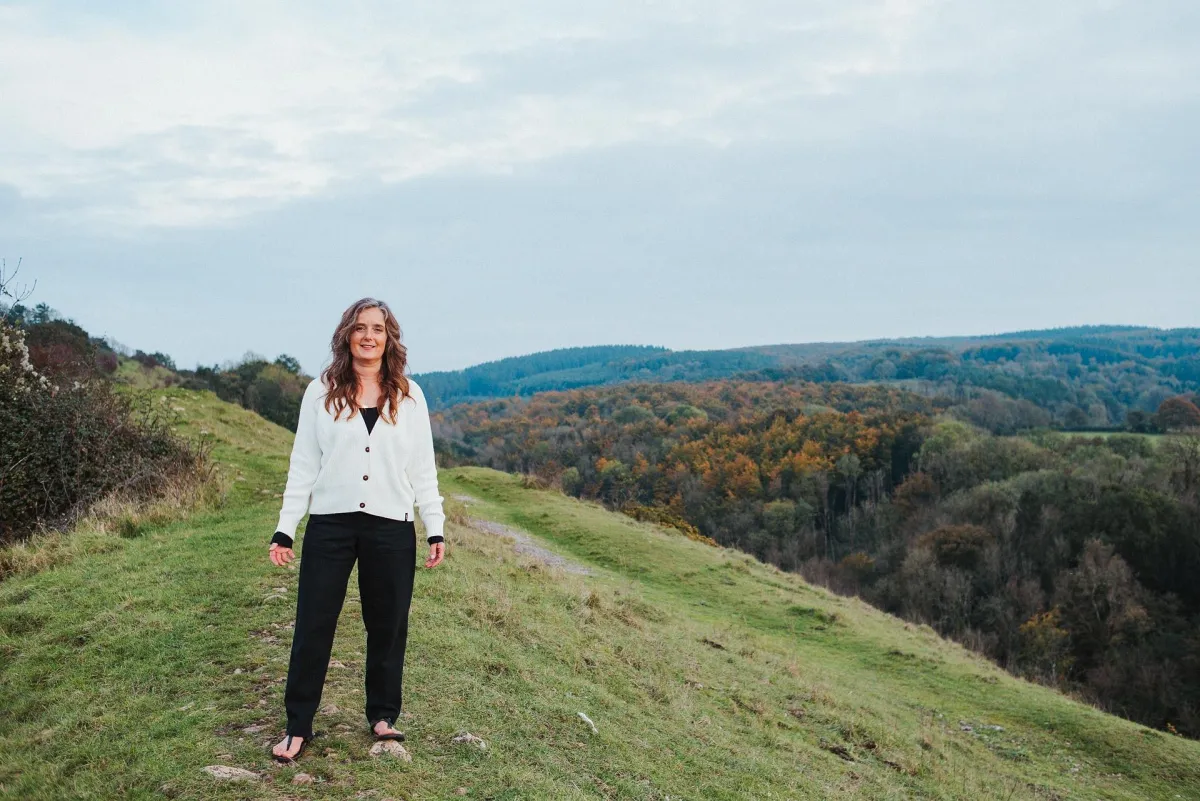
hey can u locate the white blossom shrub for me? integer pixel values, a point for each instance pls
(17, 374)
(68, 441)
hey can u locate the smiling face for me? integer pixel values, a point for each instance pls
(368, 338)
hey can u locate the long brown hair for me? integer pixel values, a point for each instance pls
(342, 381)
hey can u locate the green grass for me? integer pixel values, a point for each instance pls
(136, 375)
(124, 670)
(1155, 438)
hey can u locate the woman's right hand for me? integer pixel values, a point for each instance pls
(281, 555)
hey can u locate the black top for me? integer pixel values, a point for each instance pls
(370, 416)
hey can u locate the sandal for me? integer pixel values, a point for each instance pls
(399, 735)
(289, 759)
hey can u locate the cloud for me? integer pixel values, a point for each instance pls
(222, 110)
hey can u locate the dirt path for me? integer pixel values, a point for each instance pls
(524, 542)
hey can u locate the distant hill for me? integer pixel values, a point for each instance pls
(1077, 378)
(571, 368)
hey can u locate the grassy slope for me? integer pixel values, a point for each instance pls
(126, 669)
(134, 374)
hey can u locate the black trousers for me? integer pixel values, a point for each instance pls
(386, 552)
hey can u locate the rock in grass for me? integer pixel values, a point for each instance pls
(225, 773)
(467, 737)
(302, 778)
(392, 748)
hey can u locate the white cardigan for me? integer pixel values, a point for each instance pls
(337, 466)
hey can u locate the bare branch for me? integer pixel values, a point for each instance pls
(17, 294)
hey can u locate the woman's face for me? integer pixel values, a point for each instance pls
(368, 338)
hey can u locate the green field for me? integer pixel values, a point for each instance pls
(1107, 434)
(132, 663)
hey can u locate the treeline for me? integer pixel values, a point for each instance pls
(571, 368)
(273, 389)
(1066, 559)
(69, 440)
(1099, 377)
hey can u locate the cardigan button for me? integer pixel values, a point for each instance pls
(364, 478)
(368, 449)
(361, 505)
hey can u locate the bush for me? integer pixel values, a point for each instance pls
(67, 444)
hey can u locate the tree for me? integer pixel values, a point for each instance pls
(779, 517)
(42, 313)
(885, 370)
(288, 363)
(1045, 646)
(959, 546)
(571, 481)
(918, 491)
(1139, 422)
(1076, 417)
(1177, 413)
(1100, 603)
(163, 359)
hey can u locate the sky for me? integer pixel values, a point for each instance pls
(208, 179)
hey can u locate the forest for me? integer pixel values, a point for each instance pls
(1067, 559)
(1095, 377)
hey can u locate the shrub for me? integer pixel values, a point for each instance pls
(66, 444)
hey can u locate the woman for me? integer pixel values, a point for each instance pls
(358, 475)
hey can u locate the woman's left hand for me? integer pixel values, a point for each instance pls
(436, 551)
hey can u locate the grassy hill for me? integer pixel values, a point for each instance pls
(135, 662)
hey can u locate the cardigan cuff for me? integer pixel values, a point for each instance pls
(282, 539)
(436, 538)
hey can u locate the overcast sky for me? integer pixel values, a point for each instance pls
(215, 177)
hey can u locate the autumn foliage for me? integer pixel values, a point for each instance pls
(1066, 559)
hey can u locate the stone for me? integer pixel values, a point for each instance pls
(391, 748)
(225, 773)
(330, 709)
(467, 737)
(302, 778)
